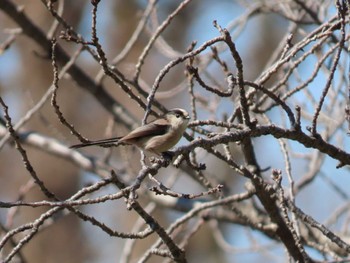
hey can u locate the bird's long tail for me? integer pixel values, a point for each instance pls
(103, 143)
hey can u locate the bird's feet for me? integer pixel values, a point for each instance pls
(165, 159)
(168, 155)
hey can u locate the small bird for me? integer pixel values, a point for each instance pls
(156, 137)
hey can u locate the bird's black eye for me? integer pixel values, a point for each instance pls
(177, 115)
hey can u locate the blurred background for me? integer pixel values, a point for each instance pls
(26, 74)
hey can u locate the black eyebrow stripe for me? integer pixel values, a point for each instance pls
(178, 112)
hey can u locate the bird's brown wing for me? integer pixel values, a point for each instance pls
(158, 127)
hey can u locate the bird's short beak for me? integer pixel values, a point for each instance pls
(188, 117)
